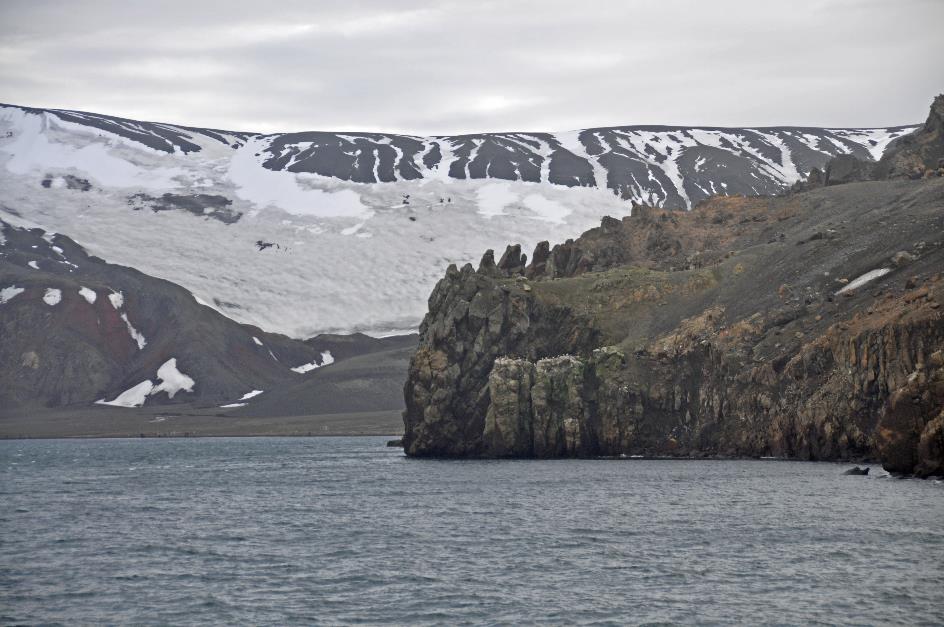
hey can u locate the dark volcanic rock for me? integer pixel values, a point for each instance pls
(847, 169)
(205, 205)
(68, 181)
(857, 471)
(475, 318)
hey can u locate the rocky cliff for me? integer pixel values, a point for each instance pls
(804, 326)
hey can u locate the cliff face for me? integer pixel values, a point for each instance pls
(807, 326)
(476, 317)
(873, 391)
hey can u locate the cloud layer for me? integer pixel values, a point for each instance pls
(452, 67)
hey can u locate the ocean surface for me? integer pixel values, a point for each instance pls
(277, 531)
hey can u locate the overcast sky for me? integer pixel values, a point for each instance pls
(450, 67)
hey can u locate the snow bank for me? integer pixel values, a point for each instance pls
(136, 335)
(865, 278)
(232, 405)
(546, 209)
(248, 395)
(9, 292)
(88, 294)
(875, 140)
(256, 340)
(306, 367)
(33, 265)
(33, 150)
(493, 198)
(172, 380)
(281, 189)
(52, 297)
(117, 299)
(132, 397)
(326, 359)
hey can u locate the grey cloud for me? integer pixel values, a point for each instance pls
(449, 67)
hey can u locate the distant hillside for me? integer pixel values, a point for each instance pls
(306, 233)
(76, 331)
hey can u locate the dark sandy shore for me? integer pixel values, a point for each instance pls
(109, 422)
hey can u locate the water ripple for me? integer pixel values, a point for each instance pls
(346, 531)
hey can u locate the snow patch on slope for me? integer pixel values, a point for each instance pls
(282, 189)
(326, 359)
(244, 397)
(132, 397)
(858, 282)
(36, 149)
(875, 140)
(52, 297)
(88, 294)
(493, 198)
(136, 335)
(546, 209)
(8, 293)
(117, 299)
(171, 380)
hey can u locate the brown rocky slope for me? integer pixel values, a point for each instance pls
(806, 326)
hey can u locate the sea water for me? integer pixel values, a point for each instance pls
(275, 531)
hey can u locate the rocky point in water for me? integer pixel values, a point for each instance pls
(805, 326)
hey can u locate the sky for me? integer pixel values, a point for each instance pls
(425, 68)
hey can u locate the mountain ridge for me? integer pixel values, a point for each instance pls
(358, 226)
(649, 127)
(283, 151)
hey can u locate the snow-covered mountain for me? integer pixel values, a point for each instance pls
(302, 233)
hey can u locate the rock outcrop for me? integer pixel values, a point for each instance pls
(919, 154)
(807, 326)
(913, 156)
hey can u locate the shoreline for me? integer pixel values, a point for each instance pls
(7, 438)
(191, 423)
